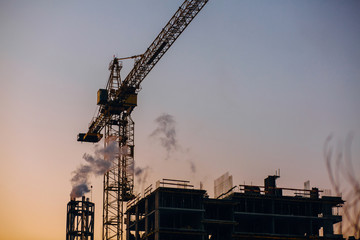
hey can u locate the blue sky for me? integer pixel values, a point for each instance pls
(253, 86)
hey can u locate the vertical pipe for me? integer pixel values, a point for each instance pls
(83, 218)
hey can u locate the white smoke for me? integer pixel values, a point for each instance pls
(141, 174)
(165, 132)
(192, 166)
(97, 164)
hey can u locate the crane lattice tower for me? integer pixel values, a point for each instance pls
(116, 104)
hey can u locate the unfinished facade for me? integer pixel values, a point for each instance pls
(175, 210)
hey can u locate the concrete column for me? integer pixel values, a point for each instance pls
(328, 223)
(127, 225)
(146, 217)
(157, 215)
(137, 237)
(272, 219)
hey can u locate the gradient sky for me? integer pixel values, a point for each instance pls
(253, 85)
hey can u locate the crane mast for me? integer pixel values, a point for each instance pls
(116, 104)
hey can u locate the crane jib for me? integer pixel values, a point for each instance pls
(176, 25)
(157, 52)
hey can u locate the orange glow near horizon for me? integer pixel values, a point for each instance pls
(253, 86)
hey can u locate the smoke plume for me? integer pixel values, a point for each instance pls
(165, 132)
(97, 164)
(192, 166)
(141, 174)
(139, 170)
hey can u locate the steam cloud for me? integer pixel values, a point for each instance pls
(139, 170)
(96, 164)
(192, 166)
(165, 132)
(141, 174)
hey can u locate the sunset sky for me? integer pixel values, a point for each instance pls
(253, 85)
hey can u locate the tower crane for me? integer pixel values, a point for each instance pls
(116, 104)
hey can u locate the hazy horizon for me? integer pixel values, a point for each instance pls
(253, 86)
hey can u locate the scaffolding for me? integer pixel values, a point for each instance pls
(80, 220)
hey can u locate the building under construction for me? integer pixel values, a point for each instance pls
(174, 210)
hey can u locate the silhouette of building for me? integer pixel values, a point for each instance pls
(175, 210)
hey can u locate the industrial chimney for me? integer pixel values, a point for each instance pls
(80, 220)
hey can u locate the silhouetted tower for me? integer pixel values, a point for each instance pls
(80, 220)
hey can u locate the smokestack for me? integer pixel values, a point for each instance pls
(80, 219)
